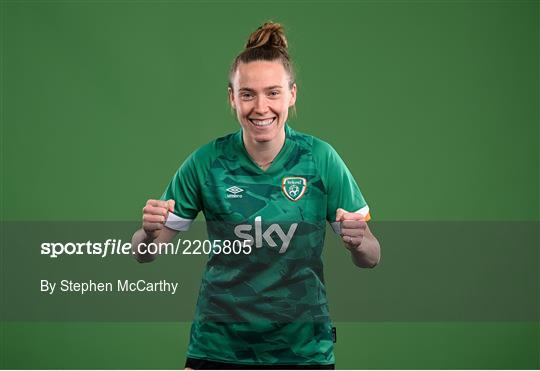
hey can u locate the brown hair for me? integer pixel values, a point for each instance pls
(267, 43)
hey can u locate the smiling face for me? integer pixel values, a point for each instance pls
(261, 96)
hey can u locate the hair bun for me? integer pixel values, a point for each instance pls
(269, 35)
(267, 43)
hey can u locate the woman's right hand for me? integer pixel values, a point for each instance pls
(154, 216)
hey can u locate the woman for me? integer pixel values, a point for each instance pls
(274, 188)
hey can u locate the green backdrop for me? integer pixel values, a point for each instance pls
(434, 106)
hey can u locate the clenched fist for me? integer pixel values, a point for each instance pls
(353, 228)
(154, 216)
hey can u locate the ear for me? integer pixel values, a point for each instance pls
(292, 102)
(231, 98)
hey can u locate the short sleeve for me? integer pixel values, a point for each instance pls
(342, 190)
(184, 189)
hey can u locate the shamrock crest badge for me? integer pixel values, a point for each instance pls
(294, 187)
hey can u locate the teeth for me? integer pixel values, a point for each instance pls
(262, 122)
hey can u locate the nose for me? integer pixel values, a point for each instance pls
(261, 106)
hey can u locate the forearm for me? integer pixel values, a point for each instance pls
(139, 237)
(162, 235)
(368, 254)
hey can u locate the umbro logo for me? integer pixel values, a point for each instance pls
(234, 192)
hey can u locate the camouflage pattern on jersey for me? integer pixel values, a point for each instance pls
(268, 306)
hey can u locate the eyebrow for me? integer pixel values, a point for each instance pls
(267, 88)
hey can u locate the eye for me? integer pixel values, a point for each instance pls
(246, 96)
(274, 93)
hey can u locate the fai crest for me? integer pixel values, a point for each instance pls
(294, 187)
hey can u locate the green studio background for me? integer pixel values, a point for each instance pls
(433, 106)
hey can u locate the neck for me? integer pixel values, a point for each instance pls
(263, 153)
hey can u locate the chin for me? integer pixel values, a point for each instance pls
(262, 139)
(262, 135)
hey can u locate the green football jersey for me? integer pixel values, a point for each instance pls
(268, 305)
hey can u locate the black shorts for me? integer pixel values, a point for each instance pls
(203, 364)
